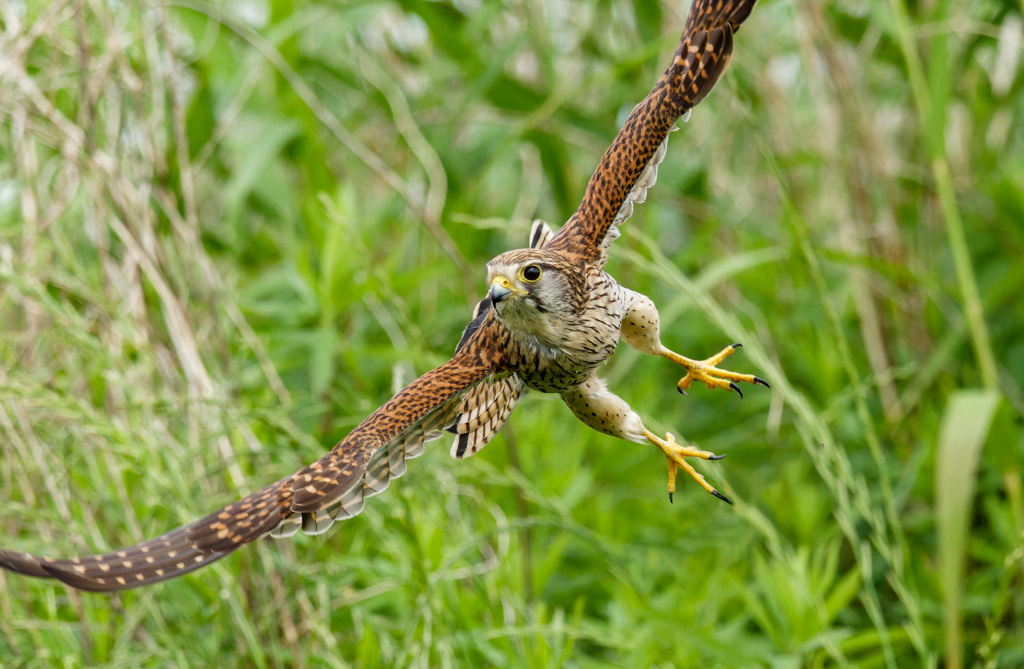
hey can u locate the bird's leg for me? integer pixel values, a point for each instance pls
(641, 330)
(676, 455)
(606, 412)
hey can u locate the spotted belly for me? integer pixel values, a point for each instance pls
(556, 371)
(553, 380)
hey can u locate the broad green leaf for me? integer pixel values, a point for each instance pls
(965, 424)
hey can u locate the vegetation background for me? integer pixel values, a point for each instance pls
(229, 231)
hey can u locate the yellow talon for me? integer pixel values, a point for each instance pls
(676, 455)
(707, 372)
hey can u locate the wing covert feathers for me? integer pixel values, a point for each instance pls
(702, 56)
(331, 489)
(638, 195)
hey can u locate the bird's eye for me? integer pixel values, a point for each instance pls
(530, 273)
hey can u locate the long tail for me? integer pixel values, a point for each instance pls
(702, 56)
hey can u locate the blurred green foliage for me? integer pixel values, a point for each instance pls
(230, 231)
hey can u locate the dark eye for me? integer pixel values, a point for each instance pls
(530, 273)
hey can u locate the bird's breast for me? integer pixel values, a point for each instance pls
(559, 364)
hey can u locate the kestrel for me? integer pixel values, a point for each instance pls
(551, 318)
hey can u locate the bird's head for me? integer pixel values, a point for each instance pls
(532, 288)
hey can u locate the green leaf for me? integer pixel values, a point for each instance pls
(965, 424)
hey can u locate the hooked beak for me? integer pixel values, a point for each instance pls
(501, 288)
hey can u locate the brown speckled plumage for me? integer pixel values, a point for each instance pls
(699, 61)
(549, 333)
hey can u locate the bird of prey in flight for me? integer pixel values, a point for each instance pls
(552, 316)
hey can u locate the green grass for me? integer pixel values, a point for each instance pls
(229, 232)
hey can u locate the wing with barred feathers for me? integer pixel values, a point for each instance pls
(482, 414)
(333, 488)
(629, 166)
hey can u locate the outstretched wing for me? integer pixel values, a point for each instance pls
(487, 406)
(630, 164)
(332, 488)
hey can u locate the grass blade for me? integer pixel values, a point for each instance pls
(965, 424)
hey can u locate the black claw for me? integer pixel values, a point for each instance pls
(681, 391)
(670, 498)
(721, 496)
(737, 345)
(736, 388)
(717, 457)
(761, 382)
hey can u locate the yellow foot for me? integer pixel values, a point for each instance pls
(706, 372)
(676, 454)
